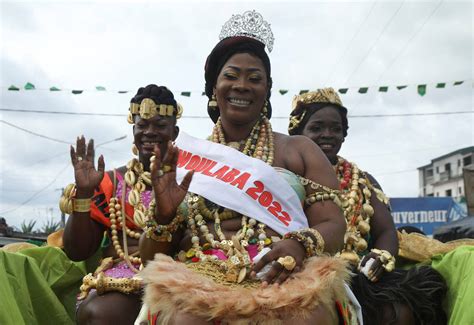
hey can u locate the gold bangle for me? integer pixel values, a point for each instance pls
(81, 205)
(387, 259)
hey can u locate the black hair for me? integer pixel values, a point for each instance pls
(313, 108)
(159, 94)
(422, 289)
(221, 53)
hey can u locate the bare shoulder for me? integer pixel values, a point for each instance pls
(303, 157)
(374, 182)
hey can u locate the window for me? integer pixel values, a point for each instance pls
(460, 190)
(467, 160)
(424, 191)
(429, 172)
(437, 170)
(447, 167)
(437, 193)
(459, 162)
(448, 193)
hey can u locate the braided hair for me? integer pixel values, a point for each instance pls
(422, 289)
(159, 94)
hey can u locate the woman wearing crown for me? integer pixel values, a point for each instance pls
(256, 256)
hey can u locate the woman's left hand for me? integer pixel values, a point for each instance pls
(376, 269)
(278, 274)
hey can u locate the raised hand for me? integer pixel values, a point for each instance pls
(168, 194)
(87, 177)
(278, 274)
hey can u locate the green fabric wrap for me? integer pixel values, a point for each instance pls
(39, 286)
(457, 269)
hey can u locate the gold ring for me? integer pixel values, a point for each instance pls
(166, 168)
(288, 262)
(79, 158)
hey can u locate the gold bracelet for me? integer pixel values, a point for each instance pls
(387, 259)
(305, 238)
(81, 205)
(161, 233)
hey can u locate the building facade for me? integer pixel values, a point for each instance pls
(444, 175)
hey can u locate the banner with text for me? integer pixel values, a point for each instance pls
(425, 213)
(233, 180)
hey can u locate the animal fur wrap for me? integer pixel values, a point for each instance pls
(171, 287)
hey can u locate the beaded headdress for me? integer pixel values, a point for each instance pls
(324, 96)
(249, 24)
(148, 109)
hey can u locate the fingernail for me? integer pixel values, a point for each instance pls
(253, 274)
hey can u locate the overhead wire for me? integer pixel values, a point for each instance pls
(376, 41)
(344, 52)
(36, 193)
(207, 117)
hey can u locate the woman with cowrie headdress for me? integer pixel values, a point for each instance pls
(237, 262)
(387, 295)
(107, 210)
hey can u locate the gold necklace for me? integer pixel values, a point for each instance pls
(355, 194)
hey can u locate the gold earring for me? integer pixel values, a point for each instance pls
(135, 149)
(213, 102)
(265, 107)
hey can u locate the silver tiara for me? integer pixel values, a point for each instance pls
(250, 24)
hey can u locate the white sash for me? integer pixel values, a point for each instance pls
(244, 184)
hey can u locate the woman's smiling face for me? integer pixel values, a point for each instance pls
(241, 89)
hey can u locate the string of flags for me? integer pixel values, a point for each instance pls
(421, 89)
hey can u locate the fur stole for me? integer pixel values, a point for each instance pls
(172, 287)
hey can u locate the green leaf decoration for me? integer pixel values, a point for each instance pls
(13, 88)
(283, 91)
(54, 89)
(383, 89)
(422, 90)
(343, 90)
(186, 93)
(457, 83)
(363, 90)
(401, 87)
(100, 88)
(77, 92)
(29, 86)
(441, 85)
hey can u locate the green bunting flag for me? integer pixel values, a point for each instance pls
(422, 90)
(29, 86)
